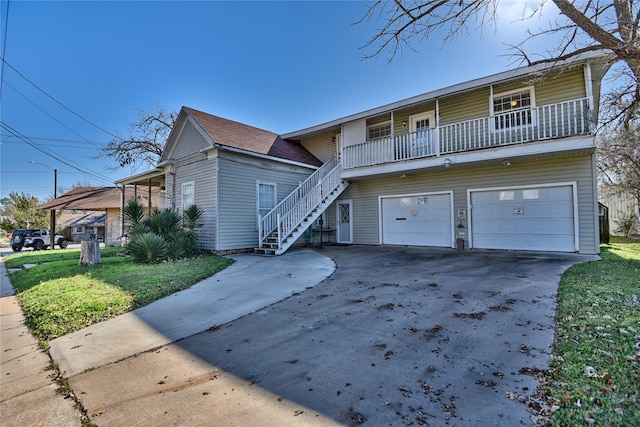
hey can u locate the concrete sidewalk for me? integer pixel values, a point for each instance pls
(28, 391)
(251, 283)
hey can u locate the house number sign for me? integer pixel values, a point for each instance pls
(518, 210)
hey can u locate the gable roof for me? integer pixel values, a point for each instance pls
(96, 198)
(228, 133)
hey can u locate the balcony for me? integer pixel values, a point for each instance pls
(545, 123)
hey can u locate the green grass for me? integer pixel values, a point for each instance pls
(59, 297)
(595, 369)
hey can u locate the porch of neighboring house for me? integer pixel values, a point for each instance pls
(84, 226)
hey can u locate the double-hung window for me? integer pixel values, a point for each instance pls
(188, 194)
(380, 130)
(513, 109)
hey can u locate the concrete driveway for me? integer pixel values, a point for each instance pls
(395, 336)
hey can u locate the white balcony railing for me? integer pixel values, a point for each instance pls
(551, 121)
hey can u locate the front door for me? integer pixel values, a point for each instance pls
(344, 230)
(421, 126)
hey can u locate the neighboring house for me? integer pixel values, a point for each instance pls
(105, 201)
(83, 226)
(502, 162)
(622, 208)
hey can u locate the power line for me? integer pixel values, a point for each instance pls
(75, 147)
(4, 47)
(53, 155)
(44, 138)
(4, 61)
(41, 109)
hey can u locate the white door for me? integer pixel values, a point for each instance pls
(417, 220)
(540, 219)
(421, 126)
(344, 231)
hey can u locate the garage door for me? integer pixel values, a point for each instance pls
(524, 219)
(418, 220)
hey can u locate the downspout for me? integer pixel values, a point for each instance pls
(122, 197)
(149, 187)
(437, 135)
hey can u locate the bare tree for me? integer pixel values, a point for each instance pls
(619, 161)
(147, 137)
(585, 25)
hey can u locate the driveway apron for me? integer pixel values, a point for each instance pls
(395, 336)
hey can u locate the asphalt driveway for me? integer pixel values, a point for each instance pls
(395, 336)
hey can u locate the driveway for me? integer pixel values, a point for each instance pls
(395, 336)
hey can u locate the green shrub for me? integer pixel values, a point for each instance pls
(148, 248)
(182, 245)
(163, 222)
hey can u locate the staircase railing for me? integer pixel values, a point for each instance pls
(285, 213)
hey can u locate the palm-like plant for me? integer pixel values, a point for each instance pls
(163, 233)
(192, 220)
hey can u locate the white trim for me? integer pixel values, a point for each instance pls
(542, 148)
(387, 122)
(531, 108)
(430, 115)
(274, 185)
(182, 192)
(344, 202)
(429, 193)
(573, 184)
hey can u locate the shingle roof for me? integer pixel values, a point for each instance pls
(89, 219)
(238, 135)
(97, 198)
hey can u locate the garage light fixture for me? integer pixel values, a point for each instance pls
(506, 163)
(447, 162)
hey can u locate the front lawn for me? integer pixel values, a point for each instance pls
(59, 297)
(595, 368)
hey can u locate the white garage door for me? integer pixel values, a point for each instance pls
(417, 220)
(539, 219)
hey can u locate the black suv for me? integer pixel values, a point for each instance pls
(36, 238)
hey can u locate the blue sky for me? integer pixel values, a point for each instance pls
(280, 66)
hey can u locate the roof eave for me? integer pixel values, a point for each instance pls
(450, 90)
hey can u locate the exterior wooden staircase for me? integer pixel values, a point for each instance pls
(283, 225)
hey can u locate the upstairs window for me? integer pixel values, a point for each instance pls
(513, 109)
(382, 130)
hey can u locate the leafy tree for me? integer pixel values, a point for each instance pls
(148, 134)
(22, 209)
(583, 26)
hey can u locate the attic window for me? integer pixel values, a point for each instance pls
(379, 131)
(513, 109)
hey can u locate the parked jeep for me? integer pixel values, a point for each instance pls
(36, 238)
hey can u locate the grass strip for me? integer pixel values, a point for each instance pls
(59, 297)
(595, 368)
